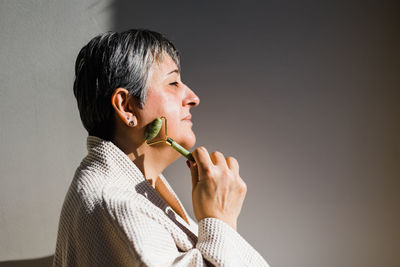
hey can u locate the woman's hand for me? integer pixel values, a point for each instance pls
(218, 191)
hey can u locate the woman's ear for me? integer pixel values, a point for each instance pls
(120, 100)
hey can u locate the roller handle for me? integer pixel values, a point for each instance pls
(180, 149)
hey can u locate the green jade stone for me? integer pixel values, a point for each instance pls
(153, 129)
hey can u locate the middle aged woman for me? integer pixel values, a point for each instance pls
(120, 209)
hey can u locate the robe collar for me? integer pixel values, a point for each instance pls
(110, 159)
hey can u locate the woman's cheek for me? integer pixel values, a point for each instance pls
(172, 112)
(173, 124)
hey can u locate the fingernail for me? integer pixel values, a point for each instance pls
(188, 163)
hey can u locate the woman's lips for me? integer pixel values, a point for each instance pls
(188, 119)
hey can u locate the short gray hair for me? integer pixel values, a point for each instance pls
(112, 60)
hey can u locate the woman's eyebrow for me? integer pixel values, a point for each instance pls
(175, 70)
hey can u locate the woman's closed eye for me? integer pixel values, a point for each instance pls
(174, 83)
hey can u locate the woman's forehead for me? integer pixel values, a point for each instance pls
(165, 66)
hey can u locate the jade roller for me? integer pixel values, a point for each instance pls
(152, 131)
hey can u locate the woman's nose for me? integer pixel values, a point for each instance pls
(191, 98)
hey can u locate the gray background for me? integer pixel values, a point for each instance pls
(304, 94)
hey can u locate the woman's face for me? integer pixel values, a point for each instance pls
(168, 96)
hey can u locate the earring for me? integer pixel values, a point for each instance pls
(131, 123)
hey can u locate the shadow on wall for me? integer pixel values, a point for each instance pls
(39, 262)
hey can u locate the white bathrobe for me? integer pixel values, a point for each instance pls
(112, 216)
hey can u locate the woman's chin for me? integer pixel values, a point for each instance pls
(188, 141)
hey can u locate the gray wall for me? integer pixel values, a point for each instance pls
(303, 93)
(41, 137)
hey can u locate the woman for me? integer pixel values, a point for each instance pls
(120, 210)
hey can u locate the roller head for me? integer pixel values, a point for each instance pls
(153, 129)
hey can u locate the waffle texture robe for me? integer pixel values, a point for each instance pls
(112, 216)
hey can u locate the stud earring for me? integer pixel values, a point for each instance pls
(131, 123)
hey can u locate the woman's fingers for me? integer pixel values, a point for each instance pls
(218, 158)
(232, 164)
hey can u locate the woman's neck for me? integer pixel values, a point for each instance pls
(151, 160)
